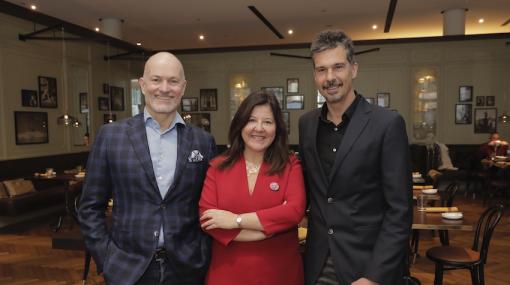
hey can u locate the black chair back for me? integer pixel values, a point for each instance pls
(448, 195)
(485, 227)
(75, 190)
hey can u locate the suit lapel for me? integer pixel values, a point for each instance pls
(313, 126)
(184, 142)
(138, 137)
(355, 128)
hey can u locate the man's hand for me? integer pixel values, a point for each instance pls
(218, 219)
(363, 281)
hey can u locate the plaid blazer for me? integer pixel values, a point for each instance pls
(120, 166)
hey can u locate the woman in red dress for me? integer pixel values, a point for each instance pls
(252, 200)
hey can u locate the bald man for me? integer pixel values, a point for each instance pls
(153, 166)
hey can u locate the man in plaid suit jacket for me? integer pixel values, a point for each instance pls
(126, 163)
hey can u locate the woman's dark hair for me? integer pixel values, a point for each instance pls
(277, 154)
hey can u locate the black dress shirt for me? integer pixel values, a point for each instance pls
(329, 135)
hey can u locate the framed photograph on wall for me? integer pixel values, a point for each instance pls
(84, 103)
(117, 98)
(29, 98)
(485, 120)
(201, 120)
(383, 99)
(31, 127)
(465, 93)
(189, 104)
(490, 100)
(103, 103)
(209, 99)
(292, 85)
(294, 102)
(286, 119)
(277, 92)
(47, 92)
(463, 113)
(109, 118)
(480, 101)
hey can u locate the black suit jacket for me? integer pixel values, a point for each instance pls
(362, 212)
(120, 165)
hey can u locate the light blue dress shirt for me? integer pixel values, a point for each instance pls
(163, 150)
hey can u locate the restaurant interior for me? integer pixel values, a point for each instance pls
(69, 67)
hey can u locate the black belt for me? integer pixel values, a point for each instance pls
(160, 254)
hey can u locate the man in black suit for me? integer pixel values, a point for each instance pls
(358, 175)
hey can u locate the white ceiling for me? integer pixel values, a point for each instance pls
(173, 24)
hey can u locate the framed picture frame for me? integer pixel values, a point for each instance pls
(480, 101)
(277, 92)
(31, 127)
(29, 98)
(84, 102)
(209, 99)
(294, 102)
(103, 103)
(370, 100)
(286, 120)
(116, 98)
(201, 120)
(47, 92)
(109, 118)
(490, 100)
(485, 120)
(292, 85)
(465, 93)
(106, 88)
(383, 99)
(189, 104)
(463, 114)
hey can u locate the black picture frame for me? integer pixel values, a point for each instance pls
(490, 100)
(277, 92)
(84, 102)
(29, 98)
(463, 114)
(465, 93)
(480, 101)
(383, 99)
(485, 120)
(103, 103)
(47, 92)
(286, 120)
(294, 102)
(370, 100)
(201, 120)
(106, 88)
(189, 104)
(293, 85)
(107, 117)
(209, 99)
(116, 98)
(31, 127)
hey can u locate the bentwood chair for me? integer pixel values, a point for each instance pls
(78, 187)
(453, 257)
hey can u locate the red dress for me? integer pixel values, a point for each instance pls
(273, 261)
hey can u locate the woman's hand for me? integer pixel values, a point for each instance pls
(218, 219)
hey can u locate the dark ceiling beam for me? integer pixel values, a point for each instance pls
(25, 36)
(265, 21)
(389, 15)
(367, 51)
(506, 23)
(124, 56)
(49, 21)
(290, 55)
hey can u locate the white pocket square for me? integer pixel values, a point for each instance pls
(195, 156)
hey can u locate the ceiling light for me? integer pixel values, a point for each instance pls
(33, 7)
(374, 27)
(201, 37)
(290, 32)
(96, 29)
(481, 20)
(138, 44)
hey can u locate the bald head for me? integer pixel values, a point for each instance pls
(162, 59)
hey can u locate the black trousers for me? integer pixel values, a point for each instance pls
(328, 275)
(155, 273)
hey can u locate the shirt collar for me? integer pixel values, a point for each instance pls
(147, 118)
(348, 114)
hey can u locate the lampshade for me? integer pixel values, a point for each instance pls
(68, 121)
(503, 118)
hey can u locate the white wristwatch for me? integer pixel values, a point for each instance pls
(239, 220)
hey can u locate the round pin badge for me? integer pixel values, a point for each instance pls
(274, 186)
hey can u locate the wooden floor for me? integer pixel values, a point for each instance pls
(27, 258)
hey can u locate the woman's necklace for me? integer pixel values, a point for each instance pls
(252, 168)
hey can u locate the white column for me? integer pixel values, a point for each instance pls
(112, 27)
(454, 21)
